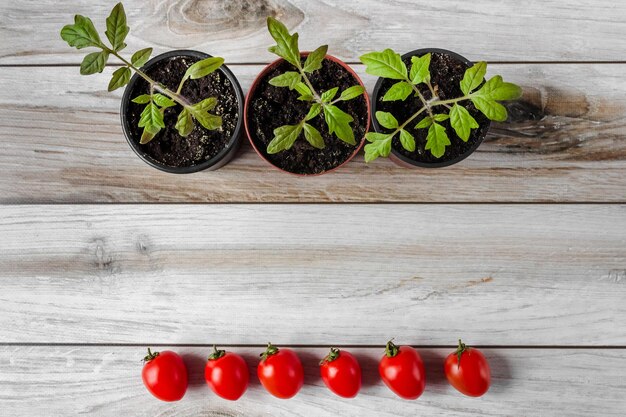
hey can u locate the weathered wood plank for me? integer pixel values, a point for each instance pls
(547, 30)
(62, 142)
(104, 381)
(311, 274)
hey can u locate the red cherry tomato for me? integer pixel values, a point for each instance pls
(227, 374)
(468, 371)
(402, 370)
(341, 373)
(165, 375)
(280, 372)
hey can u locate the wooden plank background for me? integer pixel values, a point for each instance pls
(85, 287)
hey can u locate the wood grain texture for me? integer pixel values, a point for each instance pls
(565, 142)
(104, 381)
(549, 30)
(311, 274)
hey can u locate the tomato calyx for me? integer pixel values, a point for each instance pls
(332, 355)
(150, 356)
(459, 351)
(216, 354)
(391, 349)
(271, 350)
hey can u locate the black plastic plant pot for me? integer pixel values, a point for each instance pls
(447, 69)
(203, 149)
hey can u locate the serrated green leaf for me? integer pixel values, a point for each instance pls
(94, 62)
(490, 108)
(386, 64)
(140, 57)
(386, 119)
(313, 136)
(203, 68)
(437, 140)
(440, 117)
(149, 132)
(496, 89)
(407, 140)
(121, 77)
(473, 77)
(305, 97)
(286, 44)
(116, 27)
(420, 72)
(284, 138)
(328, 95)
(377, 148)
(462, 122)
(184, 123)
(81, 34)
(142, 99)
(352, 92)
(338, 123)
(303, 89)
(314, 60)
(424, 123)
(399, 91)
(374, 136)
(315, 109)
(151, 116)
(288, 79)
(163, 101)
(205, 105)
(207, 120)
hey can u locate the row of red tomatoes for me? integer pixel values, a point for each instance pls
(281, 373)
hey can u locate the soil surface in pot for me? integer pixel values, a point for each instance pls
(168, 147)
(446, 74)
(272, 107)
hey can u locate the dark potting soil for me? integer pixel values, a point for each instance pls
(272, 107)
(446, 74)
(168, 147)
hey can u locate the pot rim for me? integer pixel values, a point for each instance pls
(403, 160)
(225, 153)
(270, 67)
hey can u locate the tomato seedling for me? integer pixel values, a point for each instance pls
(165, 375)
(280, 372)
(227, 374)
(468, 371)
(341, 373)
(402, 370)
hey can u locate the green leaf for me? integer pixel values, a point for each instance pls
(374, 137)
(81, 34)
(338, 123)
(328, 95)
(313, 111)
(441, 117)
(203, 68)
(149, 132)
(206, 105)
(313, 136)
(142, 99)
(379, 147)
(140, 57)
(284, 138)
(289, 79)
(151, 116)
(314, 60)
(437, 140)
(207, 120)
(286, 44)
(386, 119)
(497, 89)
(399, 91)
(303, 89)
(420, 72)
(121, 77)
(352, 92)
(424, 123)
(490, 108)
(116, 27)
(386, 64)
(305, 97)
(163, 101)
(184, 123)
(94, 62)
(473, 77)
(462, 122)
(407, 140)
